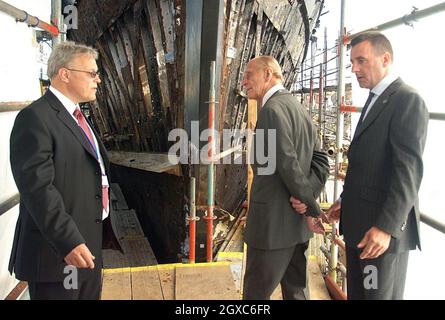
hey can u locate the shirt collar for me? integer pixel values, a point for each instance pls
(384, 83)
(67, 103)
(270, 92)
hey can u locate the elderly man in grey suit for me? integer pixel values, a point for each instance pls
(277, 236)
(378, 209)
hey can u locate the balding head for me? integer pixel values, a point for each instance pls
(261, 74)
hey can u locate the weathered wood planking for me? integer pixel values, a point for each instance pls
(167, 278)
(138, 252)
(145, 285)
(116, 285)
(127, 226)
(205, 283)
(153, 162)
(117, 198)
(142, 49)
(114, 259)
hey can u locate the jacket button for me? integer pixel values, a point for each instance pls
(98, 221)
(98, 196)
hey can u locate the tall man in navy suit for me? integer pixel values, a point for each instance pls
(61, 170)
(379, 208)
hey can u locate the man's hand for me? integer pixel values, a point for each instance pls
(333, 213)
(80, 257)
(298, 206)
(315, 225)
(375, 242)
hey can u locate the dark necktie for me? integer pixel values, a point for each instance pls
(83, 124)
(365, 107)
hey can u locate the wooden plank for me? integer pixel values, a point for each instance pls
(159, 54)
(205, 283)
(146, 285)
(316, 285)
(117, 198)
(116, 285)
(167, 278)
(126, 225)
(259, 26)
(139, 252)
(153, 162)
(114, 259)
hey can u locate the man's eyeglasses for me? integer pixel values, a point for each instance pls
(93, 74)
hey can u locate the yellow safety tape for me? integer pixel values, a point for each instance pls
(166, 267)
(237, 255)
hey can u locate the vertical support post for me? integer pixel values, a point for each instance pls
(325, 68)
(192, 220)
(210, 176)
(320, 102)
(340, 127)
(311, 89)
(57, 20)
(302, 83)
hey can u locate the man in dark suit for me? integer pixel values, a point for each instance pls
(61, 170)
(378, 209)
(277, 236)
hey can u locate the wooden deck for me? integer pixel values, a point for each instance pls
(136, 275)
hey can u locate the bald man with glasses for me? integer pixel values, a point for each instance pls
(61, 170)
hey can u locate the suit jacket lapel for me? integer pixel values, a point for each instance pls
(379, 105)
(69, 122)
(102, 149)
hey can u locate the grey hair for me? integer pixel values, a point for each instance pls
(64, 53)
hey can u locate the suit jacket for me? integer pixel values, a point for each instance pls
(301, 171)
(385, 170)
(59, 180)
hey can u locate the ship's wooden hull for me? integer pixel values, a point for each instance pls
(146, 68)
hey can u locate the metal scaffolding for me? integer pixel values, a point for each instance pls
(332, 240)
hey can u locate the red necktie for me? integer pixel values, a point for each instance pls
(83, 124)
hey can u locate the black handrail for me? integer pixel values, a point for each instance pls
(9, 204)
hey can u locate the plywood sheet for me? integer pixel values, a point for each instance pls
(167, 277)
(205, 283)
(146, 285)
(116, 285)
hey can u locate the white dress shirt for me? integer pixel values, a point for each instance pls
(379, 89)
(270, 93)
(71, 107)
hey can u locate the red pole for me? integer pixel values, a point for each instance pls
(211, 166)
(192, 235)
